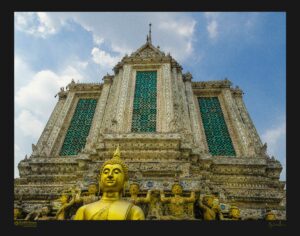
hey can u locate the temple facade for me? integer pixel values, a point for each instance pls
(169, 130)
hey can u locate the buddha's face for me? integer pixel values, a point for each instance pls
(209, 201)
(177, 189)
(64, 198)
(92, 189)
(235, 213)
(270, 216)
(134, 189)
(17, 213)
(112, 178)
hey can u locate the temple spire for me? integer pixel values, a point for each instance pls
(149, 40)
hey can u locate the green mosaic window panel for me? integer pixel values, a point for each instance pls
(79, 127)
(144, 103)
(217, 135)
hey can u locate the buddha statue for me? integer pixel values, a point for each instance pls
(211, 211)
(134, 190)
(270, 215)
(177, 203)
(234, 213)
(112, 177)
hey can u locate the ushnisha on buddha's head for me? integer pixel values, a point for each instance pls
(113, 174)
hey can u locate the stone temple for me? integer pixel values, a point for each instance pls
(168, 128)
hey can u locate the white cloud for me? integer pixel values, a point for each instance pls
(212, 28)
(273, 136)
(103, 58)
(37, 24)
(29, 124)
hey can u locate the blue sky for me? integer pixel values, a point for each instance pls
(247, 48)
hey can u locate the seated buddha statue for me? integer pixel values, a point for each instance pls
(177, 204)
(211, 211)
(112, 177)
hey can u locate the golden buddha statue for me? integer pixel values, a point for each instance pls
(177, 203)
(211, 211)
(234, 213)
(270, 215)
(134, 190)
(112, 177)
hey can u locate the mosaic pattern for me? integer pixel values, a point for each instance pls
(79, 128)
(217, 135)
(144, 103)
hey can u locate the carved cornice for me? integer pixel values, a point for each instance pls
(212, 84)
(85, 86)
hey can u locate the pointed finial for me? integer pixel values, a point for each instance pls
(149, 35)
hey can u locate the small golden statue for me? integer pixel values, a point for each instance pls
(211, 211)
(177, 204)
(90, 196)
(65, 205)
(112, 177)
(234, 213)
(17, 213)
(134, 190)
(155, 208)
(270, 215)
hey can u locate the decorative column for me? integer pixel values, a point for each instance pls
(59, 122)
(99, 113)
(37, 150)
(198, 140)
(167, 98)
(237, 122)
(253, 135)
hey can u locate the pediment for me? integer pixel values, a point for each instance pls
(147, 50)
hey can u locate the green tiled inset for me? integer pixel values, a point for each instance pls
(79, 128)
(217, 135)
(144, 103)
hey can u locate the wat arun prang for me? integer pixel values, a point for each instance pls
(179, 138)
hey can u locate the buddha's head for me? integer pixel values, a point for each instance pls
(113, 174)
(92, 189)
(134, 189)
(270, 216)
(177, 189)
(234, 212)
(208, 200)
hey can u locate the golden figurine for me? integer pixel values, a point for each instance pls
(134, 190)
(177, 203)
(211, 211)
(112, 177)
(90, 196)
(65, 205)
(234, 213)
(270, 215)
(17, 213)
(155, 209)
